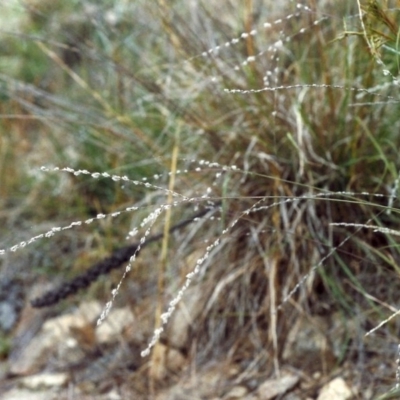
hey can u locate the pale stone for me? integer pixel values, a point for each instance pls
(275, 387)
(175, 360)
(69, 336)
(187, 311)
(24, 394)
(336, 389)
(237, 392)
(44, 381)
(113, 326)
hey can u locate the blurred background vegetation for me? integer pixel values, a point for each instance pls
(115, 86)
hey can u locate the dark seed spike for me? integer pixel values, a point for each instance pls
(104, 267)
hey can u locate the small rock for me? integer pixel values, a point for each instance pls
(70, 337)
(187, 311)
(113, 326)
(336, 389)
(175, 360)
(41, 381)
(166, 359)
(24, 394)
(237, 392)
(274, 387)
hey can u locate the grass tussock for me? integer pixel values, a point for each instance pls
(284, 118)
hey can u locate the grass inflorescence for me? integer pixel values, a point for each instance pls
(283, 122)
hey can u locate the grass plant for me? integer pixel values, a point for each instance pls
(287, 120)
